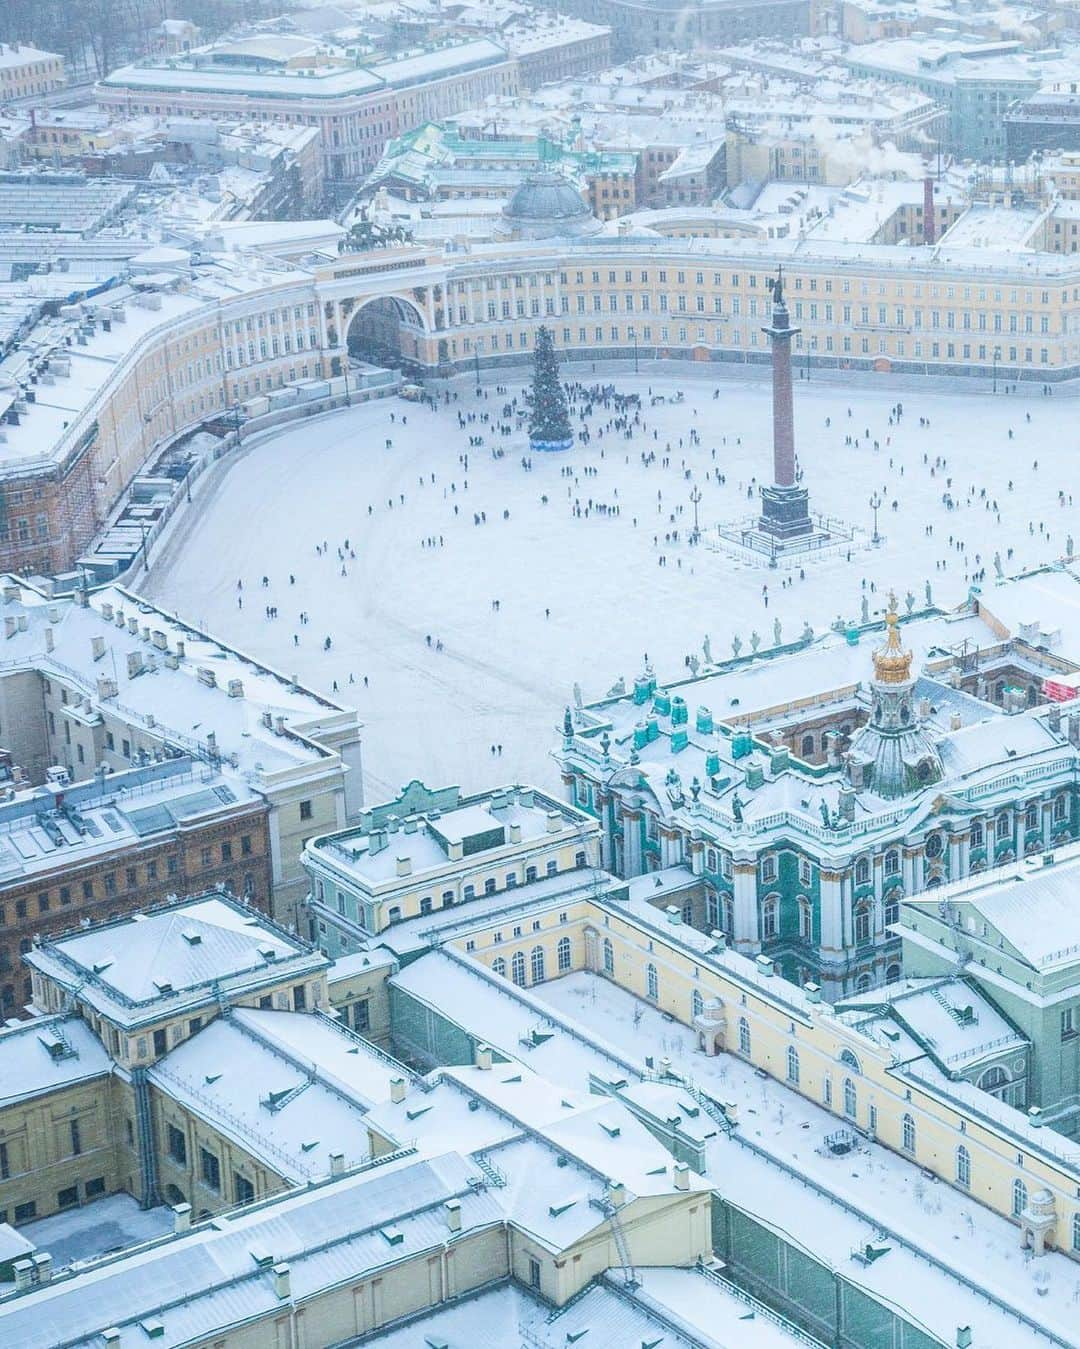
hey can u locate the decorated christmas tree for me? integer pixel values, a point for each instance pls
(549, 417)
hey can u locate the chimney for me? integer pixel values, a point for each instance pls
(764, 966)
(847, 803)
(97, 647)
(681, 1175)
(133, 626)
(929, 219)
(119, 620)
(24, 622)
(12, 594)
(813, 992)
(1053, 718)
(453, 1215)
(1074, 729)
(181, 1217)
(955, 721)
(397, 1090)
(106, 611)
(515, 833)
(111, 1335)
(24, 1274)
(159, 639)
(134, 664)
(616, 1193)
(282, 1281)
(180, 650)
(42, 1262)
(673, 914)
(554, 821)
(404, 866)
(10, 626)
(279, 725)
(337, 1163)
(236, 688)
(483, 1058)
(211, 742)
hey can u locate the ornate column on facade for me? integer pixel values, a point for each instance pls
(832, 914)
(744, 894)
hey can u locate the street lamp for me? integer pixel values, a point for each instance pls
(997, 357)
(875, 506)
(633, 334)
(476, 367)
(695, 497)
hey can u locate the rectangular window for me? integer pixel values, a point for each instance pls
(67, 1198)
(305, 810)
(176, 1144)
(209, 1169)
(1068, 1023)
(243, 1190)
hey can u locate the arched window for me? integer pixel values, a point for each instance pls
(729, 915)
(848, 1059)
(862, 871)
(688, 912)
(697, 1003)
(851, 1099)
(892, 909)
(609, 957)
(1001, 826)
(498, 966)
(793, 1065)
(907, 1136)
(892, 863)
(963, 1167)
(710, 860)
(995, 1080)
(770, 918)
(862, 924)
(652, 984)
(1061, 807)
(1019, 1198)
(807, 746)
(517, 968)
(563, 950)
(892, 973)
(536, 962)
(744, 1036)
(394, 915)
(806, 919)
(863, 983)
(977, 834)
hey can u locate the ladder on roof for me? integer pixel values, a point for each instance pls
(622, 1246)
(144, 1128)
(714, 1111)
(224, 1005)
(491, 1172)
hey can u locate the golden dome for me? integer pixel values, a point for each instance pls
(892, 664)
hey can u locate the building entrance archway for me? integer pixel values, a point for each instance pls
(387, 331)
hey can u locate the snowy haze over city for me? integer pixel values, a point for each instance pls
(540, 674)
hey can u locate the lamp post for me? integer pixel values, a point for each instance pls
(997, 357)
(633, 334)
(695, 497)
(875, 506)
(236, 421)
(476, 367)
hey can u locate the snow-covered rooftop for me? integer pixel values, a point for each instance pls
(40, 1056)
(159, 961)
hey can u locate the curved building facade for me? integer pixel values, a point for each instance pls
(142, 364)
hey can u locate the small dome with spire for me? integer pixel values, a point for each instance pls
(892, 664)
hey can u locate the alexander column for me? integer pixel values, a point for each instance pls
(785, 513)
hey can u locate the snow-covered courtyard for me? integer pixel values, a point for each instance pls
(531, 579)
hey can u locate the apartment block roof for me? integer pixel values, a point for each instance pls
(179, 956)
(39, 1057)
